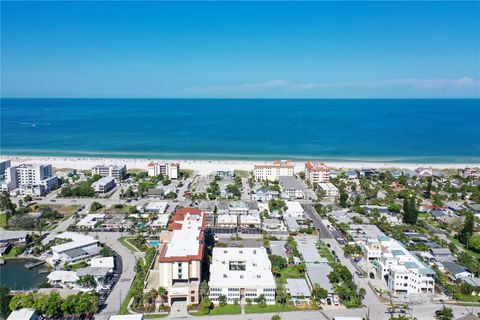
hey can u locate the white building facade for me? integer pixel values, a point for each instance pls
(273, 172)
(316, 172)
(170, 170)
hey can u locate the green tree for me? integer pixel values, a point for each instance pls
(276, 317)
(5, 299)
(261, 300)
(52, 305)
(69, 304)
(444, 314)
(343, 198)
(222, 300)
(474, 242)
(95, 206)
(467, 229)
(87, 281)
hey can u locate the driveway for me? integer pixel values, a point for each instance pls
(179, 310)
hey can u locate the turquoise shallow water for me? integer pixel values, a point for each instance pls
(402, 130)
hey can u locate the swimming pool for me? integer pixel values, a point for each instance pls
(153, 243)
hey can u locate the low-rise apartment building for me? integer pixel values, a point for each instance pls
(403, 272)
(104, 185)
(240, 273)
(273, 172)
(316, 172)
(115, 171)
(328, 190)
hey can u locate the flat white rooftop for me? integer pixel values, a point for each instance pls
(105, 262)
(160, 206)
(241, 268)
(184, 242)
(90, 219)
(78, 240)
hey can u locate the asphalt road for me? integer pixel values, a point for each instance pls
(322, 229)
(118, 293)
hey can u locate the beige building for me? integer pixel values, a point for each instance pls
(170, 170)
(273, 172)
(316, 172)
(178, 263)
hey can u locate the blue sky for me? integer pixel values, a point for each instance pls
(249, 49)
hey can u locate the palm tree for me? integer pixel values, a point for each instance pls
(444, 314)
(162, 292)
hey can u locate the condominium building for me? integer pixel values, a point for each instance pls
(403, 272)
(103, 185)
(273, 172)
(328, 190)
(468, 172)
(4, 164)
(27, 176)
(117, 172)
(241, 273)
(316, 172)
(180, 256)
(170, 170)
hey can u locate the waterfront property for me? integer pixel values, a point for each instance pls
(77, 247)
(170, 170)
(114, 171)
(275, 171)
(241, 273)
(31, 179)
(316, 172)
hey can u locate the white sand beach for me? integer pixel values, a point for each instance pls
(208, 166)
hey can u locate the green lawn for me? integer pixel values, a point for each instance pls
(324, 251)
(3, 220)
(254, 308)
(228, 309)
(81, 264)
(458, 243)
(468, 298)
(155, 316)
(123, 241)
(217, 310)
(12, 253)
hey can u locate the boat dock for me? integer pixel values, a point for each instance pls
(31, 265)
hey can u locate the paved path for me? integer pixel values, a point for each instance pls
(61, 227)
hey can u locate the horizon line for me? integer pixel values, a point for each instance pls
(259, 98)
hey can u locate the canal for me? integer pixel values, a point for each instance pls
(16, 276)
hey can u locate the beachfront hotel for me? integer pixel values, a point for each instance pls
(117, 172)
(169, 170)
(273, 172)
(316, 172)
(177, 267)
(241, 273)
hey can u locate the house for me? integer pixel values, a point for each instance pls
(277, 247)
(298, 290)
(292, 224)
(13, 237)
(90, 220)
(291, 188)
(225, 174)
(63, 278)
(264, 194)
(237, 272)
(161, 221)
(23, 314)
(307, 246)
(469, 173)
(351, 174)
(318, 273)
(294, 209)
(270, 225)
(456, 271)
(103, 262)
(424, 172)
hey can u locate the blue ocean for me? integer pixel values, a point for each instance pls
(394, 130)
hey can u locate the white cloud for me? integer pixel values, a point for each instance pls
(284, 86)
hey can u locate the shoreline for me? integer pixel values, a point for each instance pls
(208, 166)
